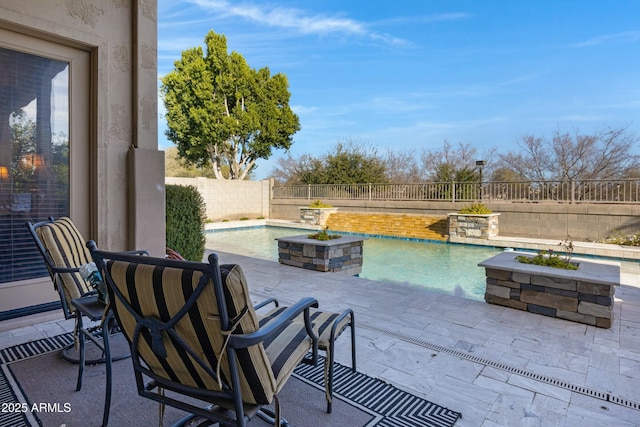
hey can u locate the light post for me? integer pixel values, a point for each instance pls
(480, 164)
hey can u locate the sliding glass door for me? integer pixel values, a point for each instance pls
(44, 145)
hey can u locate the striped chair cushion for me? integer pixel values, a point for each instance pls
(66, 248)
(160, 292)
(322, 322)
(286, 350)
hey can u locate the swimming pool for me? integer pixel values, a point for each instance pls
(441, 267)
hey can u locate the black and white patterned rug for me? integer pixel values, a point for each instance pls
(386, 404)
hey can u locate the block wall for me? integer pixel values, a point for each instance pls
(230, 199)
(582, 222)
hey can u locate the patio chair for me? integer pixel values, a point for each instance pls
(64, 251)
(193, 331)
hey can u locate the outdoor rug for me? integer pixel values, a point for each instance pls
(37, 387)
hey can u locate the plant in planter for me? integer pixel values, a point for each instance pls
(552, 259)
(318, 204)
(475, 209)
(324, 235)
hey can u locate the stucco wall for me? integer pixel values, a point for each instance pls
(121, 37)
(536, 220)
(230, 199)
(123, 207)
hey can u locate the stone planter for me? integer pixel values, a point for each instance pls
(473, 226)
(342, 255)
(316, 216)
(585, 295)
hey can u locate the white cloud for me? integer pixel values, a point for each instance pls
(428, 19)
(295, 19)
(624, 37)
(301, 109)
(454, 16)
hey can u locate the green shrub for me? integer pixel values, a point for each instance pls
(185, 210)
(619, 238)
(547, 259)
(553, 259)
(475, 209)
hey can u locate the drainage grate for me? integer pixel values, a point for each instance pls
(624, 402)
(597, 394)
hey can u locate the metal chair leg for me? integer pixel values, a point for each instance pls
(83, 334)
(332, 339)
(81, 342)
(107, 356)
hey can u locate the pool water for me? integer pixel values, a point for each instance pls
(441, 267)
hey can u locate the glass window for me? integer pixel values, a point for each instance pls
(34, 155)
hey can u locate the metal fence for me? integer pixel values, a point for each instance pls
(584, 191)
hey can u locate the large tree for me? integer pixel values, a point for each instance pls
(604, 154)
(175, 166)
(353, 163)
(222, 112)
(403, 167)
(304, 169)
(449, 164)
(346, 163)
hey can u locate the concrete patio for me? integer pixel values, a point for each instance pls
(496, 365)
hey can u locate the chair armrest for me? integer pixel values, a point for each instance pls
(266, 302)
(60, 270)
(336, 322)
(277, 324)
(136, 252)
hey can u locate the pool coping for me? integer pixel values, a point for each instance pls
(255, 223)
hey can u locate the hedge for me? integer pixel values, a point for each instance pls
(186, 214)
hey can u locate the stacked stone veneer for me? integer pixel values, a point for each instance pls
(473, 226)
(316, 216)
(399, 225)
(585, 295)
(343, 255)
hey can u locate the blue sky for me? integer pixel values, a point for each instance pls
(408, 75)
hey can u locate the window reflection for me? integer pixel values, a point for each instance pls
(34, 155)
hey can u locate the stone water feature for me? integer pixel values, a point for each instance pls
(341, 255)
